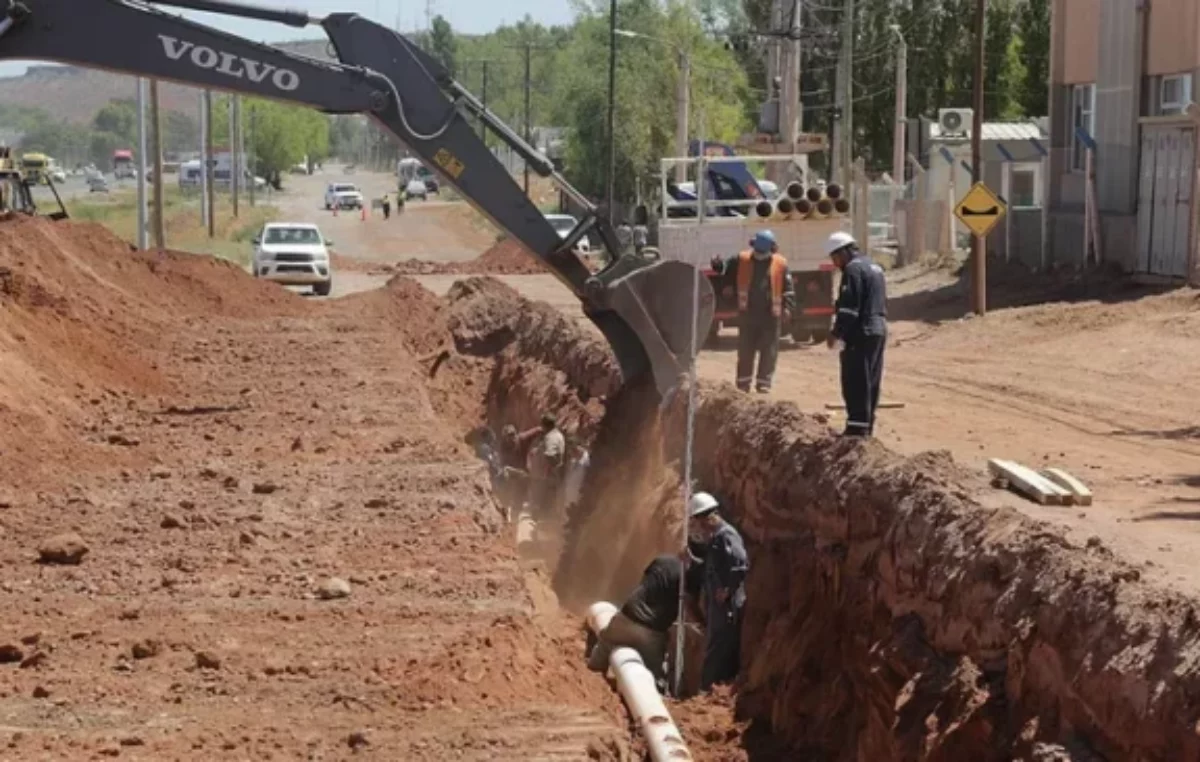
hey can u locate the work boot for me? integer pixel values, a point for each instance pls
(763, 389)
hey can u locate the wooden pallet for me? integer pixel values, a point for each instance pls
(1030, 483)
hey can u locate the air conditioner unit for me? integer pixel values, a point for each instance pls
(955, 121)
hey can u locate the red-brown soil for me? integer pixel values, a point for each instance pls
(891, 615)
(506, 257)
(223, 449)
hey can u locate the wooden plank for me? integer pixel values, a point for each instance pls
(1030, 483)
(1083, 495)
(882, 406)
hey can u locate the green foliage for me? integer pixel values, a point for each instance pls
(278, 135)
(118, 118)
(1033, 46)
(442, 43)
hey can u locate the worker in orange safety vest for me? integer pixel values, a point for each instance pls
(766, 300)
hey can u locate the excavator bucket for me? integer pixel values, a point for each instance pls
(659, 319)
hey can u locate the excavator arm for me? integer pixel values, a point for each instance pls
(654, 315)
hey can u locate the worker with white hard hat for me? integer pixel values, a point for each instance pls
(860, 325)
(766, 301)
(724, 591)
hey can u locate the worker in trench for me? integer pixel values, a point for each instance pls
(546, 464)
(724, 592)
(766, 300)
(860, 328)
(646, 616)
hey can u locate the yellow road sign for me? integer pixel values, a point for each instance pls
(980, 210)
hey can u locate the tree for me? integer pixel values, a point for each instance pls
(118, 118)
(1000, 61)
(1033, 25)
(442, 44)
(647, 72)
(282, 136)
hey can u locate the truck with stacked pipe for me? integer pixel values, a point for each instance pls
(720, 216)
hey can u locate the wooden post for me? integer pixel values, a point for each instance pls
(1008, 215)
(1092, 216)
(160, 238)
(208, 168)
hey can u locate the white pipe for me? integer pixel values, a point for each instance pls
(637, 687)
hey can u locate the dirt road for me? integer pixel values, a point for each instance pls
(290, 554)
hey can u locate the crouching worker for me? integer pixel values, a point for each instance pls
(646, 616)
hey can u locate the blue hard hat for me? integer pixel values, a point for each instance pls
(763, 241)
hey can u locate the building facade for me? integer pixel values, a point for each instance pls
(1124, 72)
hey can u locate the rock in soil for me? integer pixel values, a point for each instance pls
(10, 654)
(333, 588)
(207, 660)
(144, 649)
(65, 549)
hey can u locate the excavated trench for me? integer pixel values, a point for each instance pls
(891, 616)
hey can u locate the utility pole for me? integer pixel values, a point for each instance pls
(843, 115)
(528, 126)
(160, 238)
(141, 170)
(612, 109)
(253, 164)
(978, 243)
(789, 96)
(204, 157)
(682, 106)
(901, 127)
(208, 166)
(235, 173)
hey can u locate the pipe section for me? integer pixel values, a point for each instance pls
(637, 688)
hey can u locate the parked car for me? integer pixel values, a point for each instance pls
(426, 176)
(97, 184)
(563, 224)
(294, 254)
(415, 189)
(343, 196)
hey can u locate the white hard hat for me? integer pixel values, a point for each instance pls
(701, 503)
(838, 240)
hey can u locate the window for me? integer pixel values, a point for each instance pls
(1023, 186)
(1083, 114)
(1174, 94)
(307, 236)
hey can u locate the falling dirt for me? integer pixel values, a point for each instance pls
(236, 523)
(890, 616)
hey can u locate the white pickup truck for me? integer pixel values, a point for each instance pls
(343, 196)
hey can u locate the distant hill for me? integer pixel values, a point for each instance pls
(76, 94)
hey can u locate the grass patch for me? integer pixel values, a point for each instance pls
(182, 226)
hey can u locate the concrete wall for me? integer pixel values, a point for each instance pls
(1083, 28)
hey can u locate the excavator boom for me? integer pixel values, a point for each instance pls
(654, 315)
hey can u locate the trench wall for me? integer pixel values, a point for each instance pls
(890, 616)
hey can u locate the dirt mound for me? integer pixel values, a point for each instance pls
(892, 617)
(76, 308)
(506, 257)
(511, 658)
(542, 361)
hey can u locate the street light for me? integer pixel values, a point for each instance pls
(901, 107)
(682, 106)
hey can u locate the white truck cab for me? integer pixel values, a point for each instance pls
(294, 254)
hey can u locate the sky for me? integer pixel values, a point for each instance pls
(468, 16)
